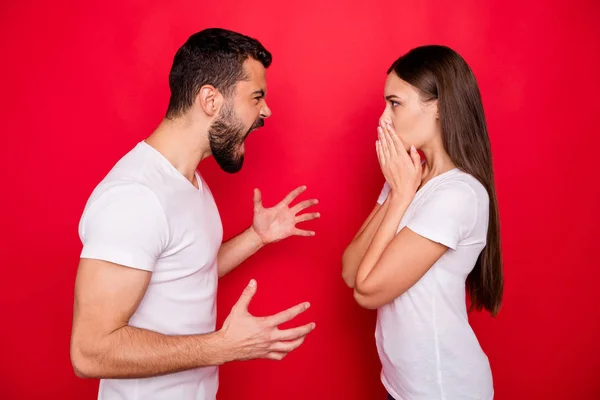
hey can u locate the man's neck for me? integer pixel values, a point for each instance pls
(184, 143)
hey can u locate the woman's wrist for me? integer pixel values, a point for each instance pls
(398, 199)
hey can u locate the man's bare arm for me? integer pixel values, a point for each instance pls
(269, 225)
(103, 345)
(237, 250)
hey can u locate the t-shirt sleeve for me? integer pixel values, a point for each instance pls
(447, 216)
(384, 193)
(125, 225)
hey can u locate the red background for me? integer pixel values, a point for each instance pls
(83, 82)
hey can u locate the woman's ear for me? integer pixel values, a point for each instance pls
(435, 109)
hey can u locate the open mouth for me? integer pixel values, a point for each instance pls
(258, 124)
(252, 129)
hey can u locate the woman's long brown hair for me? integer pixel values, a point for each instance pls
(441, 73)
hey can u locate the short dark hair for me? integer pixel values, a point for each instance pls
(212, 56)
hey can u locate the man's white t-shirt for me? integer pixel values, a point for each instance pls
(145, 214)
(426, 346)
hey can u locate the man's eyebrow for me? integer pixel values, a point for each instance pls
(260, 92)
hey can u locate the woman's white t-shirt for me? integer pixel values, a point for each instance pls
(427, 348)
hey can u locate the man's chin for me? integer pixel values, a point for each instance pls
(231, 167)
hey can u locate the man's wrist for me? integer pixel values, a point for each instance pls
(220, 350)
(257, 241)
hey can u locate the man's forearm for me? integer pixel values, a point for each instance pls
(131, 352)
(357, 248)
(237, 250)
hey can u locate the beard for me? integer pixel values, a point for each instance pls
(225, 136)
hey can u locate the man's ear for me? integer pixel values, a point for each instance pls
(210, 100)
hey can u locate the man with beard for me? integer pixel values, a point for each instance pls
(144, 315)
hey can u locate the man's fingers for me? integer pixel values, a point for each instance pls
(301, 232)
(307, 217)
(276, 356)
(304, 205)
(244, 300)
(293, 194)
(295, 333)
(286, 347)
(257, 199)
(287, 315)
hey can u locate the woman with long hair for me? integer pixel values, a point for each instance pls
(434, 233)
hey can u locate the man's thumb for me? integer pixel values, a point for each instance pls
(247, 294)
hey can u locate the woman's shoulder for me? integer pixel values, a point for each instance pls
(459, 186)
(474, 184)
(462, 183)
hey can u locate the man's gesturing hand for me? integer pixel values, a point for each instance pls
(248, 337)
